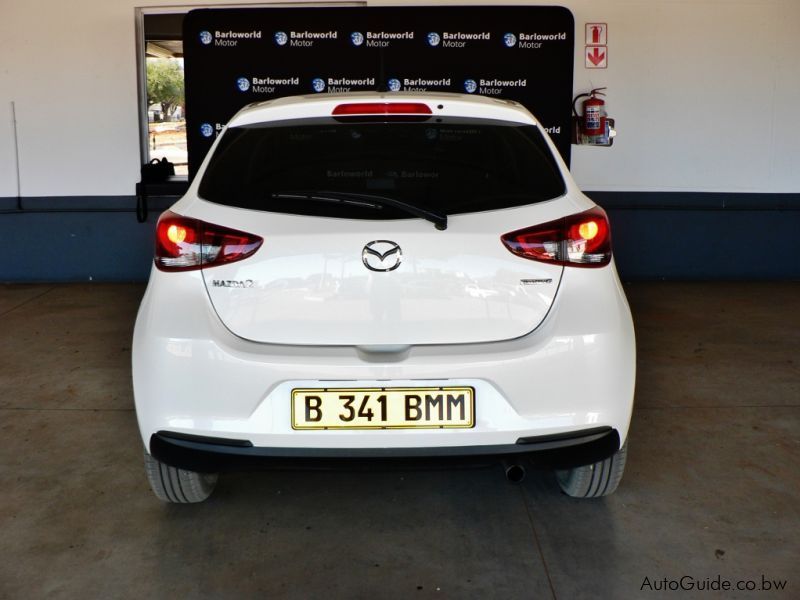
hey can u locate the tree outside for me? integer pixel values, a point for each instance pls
(165, 103)
(165, 84)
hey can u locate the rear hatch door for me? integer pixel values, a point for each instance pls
(313, 282)
(345, 263)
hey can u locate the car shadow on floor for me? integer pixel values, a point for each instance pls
(376, 533)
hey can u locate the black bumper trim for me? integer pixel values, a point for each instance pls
(202, 439)
(210, 455)
(555, 439)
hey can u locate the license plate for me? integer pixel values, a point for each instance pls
(383, 408)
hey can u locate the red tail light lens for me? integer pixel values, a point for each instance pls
(184, 244)
(382, 108)
(580, 240)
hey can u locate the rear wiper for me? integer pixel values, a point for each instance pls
(365, 200)
(322, 197)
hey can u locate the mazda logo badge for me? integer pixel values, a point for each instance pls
(381, 255)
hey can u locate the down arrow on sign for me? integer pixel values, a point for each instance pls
(596, 57)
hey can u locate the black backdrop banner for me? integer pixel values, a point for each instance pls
(237, 56)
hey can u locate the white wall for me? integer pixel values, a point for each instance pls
(704, 94)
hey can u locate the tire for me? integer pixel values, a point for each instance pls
(595, 480)
(171, 484)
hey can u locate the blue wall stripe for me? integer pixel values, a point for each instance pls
(657, 235)
(696, 200)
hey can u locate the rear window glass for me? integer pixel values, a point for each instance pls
(448, 166)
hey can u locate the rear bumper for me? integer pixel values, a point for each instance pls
(575, 372)
(211, 455)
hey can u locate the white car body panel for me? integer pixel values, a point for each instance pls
(561, 359)
(194, 376)
(308, 284)
(442, 104)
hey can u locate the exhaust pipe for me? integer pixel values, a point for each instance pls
(515, 473)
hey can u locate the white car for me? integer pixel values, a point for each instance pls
(383, 276)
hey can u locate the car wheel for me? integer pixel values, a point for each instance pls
(595, 480)
(171, 484)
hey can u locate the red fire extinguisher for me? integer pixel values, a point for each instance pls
(593, 119)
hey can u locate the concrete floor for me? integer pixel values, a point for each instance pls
(712, 486)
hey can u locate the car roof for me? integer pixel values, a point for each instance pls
(441, 104)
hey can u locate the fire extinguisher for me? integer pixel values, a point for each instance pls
(593, 119)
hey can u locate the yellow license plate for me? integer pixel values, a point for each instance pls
(383, 408)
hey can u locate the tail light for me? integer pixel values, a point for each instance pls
(580, 240)
(184, 244)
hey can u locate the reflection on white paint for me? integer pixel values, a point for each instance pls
(180, 348)
(559, 345)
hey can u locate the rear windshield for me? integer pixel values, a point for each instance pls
(444, 165)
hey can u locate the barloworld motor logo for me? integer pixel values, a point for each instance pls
(509, 40)
(419, 84)
(394, 85)
(379, 39)
(434, 38)
(230, 38)
(243, 84)
(333, 85)
(206, 130)
(206, 38)
(280, 38)
(492, 87)
(318, 84)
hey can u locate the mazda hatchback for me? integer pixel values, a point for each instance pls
(383, 276)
